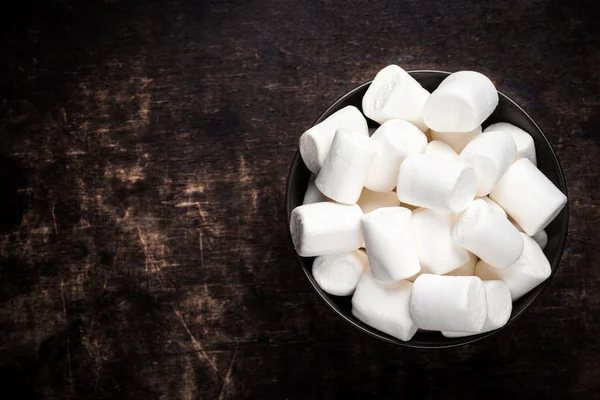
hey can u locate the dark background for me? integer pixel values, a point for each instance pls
(144, 147)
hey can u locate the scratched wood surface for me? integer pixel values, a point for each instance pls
(144, 147)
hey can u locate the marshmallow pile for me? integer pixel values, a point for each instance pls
(441, 234)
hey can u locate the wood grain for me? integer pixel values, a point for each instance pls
(144, 147)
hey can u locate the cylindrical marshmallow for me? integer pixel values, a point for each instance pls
(488, 235)
(390, 243)
(456, 140)
(338, 274)
(442, 150)
(370, 200)
(528, 196)
(346, 166)
(523, 140)
(437, 251)
(436, 183)
(397, 139)
(325, 228)
(467, 269)
(493, 205)
(394, 94)
(499, 307)
(315, 142)
(461, 103)
(490, 154)
(448, 303)
(531, 269)
(312, 194)
(384, 306)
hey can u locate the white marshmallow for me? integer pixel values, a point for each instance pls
(494, 205)
(433, 234)
(397, 139)
(488, 235)
(499, 307)
(338, 274)
(394, 94)
(436, 183)
(315, 142)
(490, 154)
(456, 140)
(346, 166)
(467, 269)
(440, 149)
(531, 269)
(528, 196)
(384, 306)
(325, 228)
(541, 238)
(448, 303)
(312, 194)
(370, 200)
(461, 103)
(523, 140)
(390, 243)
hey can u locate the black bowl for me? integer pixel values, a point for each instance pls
(507, 111)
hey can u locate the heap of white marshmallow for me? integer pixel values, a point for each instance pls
(459, 239)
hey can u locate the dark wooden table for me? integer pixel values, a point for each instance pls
(144, 147)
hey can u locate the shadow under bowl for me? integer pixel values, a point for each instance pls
(507, 111)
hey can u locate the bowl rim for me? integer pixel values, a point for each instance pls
(452, 342)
